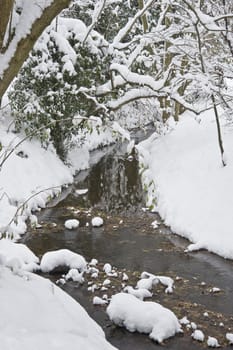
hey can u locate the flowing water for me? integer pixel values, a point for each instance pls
(129, 243)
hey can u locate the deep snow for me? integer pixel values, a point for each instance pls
(36, 314)
(187, 183)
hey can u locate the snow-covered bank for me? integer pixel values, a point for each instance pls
(36, 314)
(193, 191)
(32, 175)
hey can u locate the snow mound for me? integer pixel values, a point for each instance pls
(62, 257)
(97, 221)
(41, 316)
(143, 316)
(17, 256)
(71, 223)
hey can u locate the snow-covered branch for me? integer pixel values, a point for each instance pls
(127, 28)
(34, 17)
(99, 6)
(133, 95)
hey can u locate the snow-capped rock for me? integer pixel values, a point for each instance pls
(75, 275)
(229, 337)
(143, 316)
(212, 342)
(198, 335)
(107, 268)
(71, 224)
(99, 301)
(62, 257)
(97, 221)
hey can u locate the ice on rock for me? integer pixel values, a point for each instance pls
(143, 316)
(62, 257)
(97, 221)
(75, 276)
(71, 224)
(212, 342)
(229, 337)
(99, 301)
(138, 293)
(198, 335)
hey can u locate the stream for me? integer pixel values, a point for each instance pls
(128, 242)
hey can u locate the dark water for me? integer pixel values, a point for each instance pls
(128, 241)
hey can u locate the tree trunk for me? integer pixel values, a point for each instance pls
(144, 17)
(6, 9)
(26, 44)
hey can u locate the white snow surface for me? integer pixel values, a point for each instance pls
(194, 192)
(62, 257)
(17, 255)
(143, 316)
(36, 314)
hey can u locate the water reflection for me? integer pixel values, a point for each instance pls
(113, 183)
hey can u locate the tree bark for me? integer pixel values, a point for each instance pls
(6, 9)
(143, 17)
(26, 44)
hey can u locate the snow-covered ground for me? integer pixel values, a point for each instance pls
(187, 184)
(36, 314)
